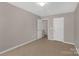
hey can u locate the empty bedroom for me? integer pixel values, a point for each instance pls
(39, 28)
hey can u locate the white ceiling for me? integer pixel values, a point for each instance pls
(51, 8)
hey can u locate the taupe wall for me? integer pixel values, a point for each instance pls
(16, 26)
(68, 25)
(76, 15)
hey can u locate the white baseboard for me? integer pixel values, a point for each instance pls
(12, 48)
(70, 43)
(66, 42)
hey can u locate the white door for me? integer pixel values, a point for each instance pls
(58, 29)
(39, 29)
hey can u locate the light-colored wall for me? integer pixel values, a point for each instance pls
(16, 26)
(76, 15)
(68, 26)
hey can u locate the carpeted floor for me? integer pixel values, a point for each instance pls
(44, 47)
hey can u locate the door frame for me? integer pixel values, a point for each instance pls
(42, 28)
(39, 31)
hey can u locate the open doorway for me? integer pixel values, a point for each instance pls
(42, 28)
(45, 28)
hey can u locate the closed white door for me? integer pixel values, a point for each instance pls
(58, 29)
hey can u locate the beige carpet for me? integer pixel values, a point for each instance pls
(44, 47)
